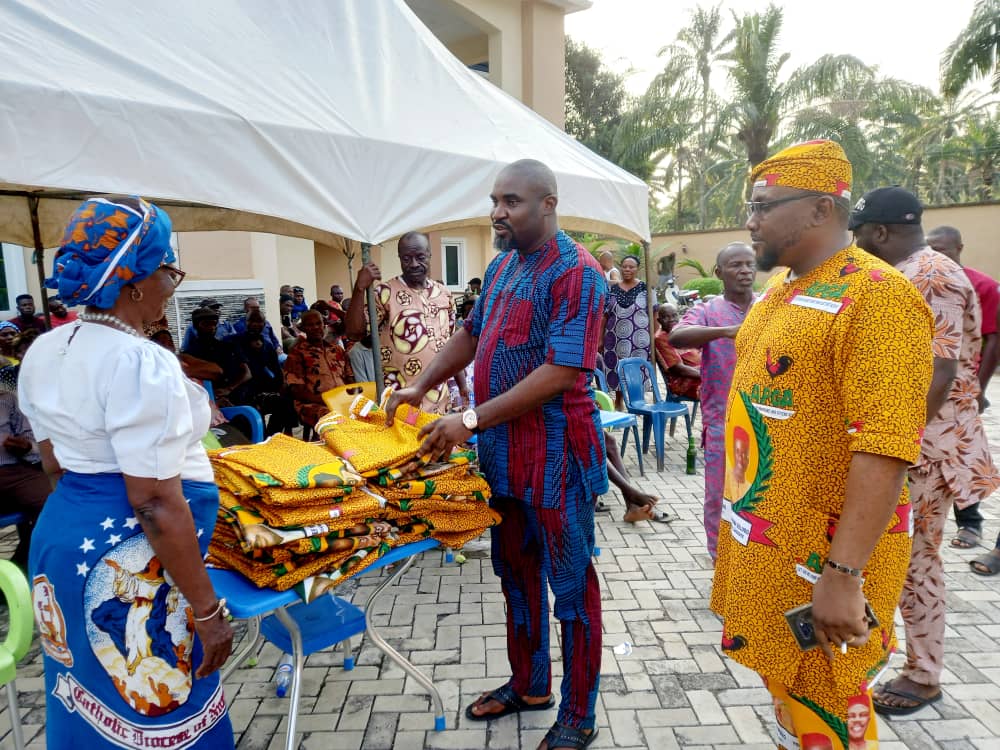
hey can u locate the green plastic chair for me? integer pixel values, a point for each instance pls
(22, 623)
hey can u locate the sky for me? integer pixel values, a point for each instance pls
(905, 40)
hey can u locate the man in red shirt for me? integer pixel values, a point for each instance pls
(948, 241)
(58, 313)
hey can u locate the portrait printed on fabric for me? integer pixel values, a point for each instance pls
(139, 628)
(742, 452)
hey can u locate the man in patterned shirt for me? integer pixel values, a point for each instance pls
(713, 327)
(955, 467)
(416, 317)
(534, 335)
(833, 363)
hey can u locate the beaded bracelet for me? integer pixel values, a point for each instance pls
(220, 607)
(846, 569)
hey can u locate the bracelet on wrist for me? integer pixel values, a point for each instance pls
(855, 572)
(220, 608)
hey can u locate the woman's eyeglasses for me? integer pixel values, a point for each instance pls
(176, 275)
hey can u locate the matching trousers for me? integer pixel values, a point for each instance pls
(923, 601)
(536, 549)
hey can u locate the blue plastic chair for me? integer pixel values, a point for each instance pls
(300, 629)
(611, 419)
(633, 372)
(250, 414)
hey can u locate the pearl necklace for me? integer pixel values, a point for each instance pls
(110, 320)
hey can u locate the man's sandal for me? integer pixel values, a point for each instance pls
(966, 538)
(561, 735)
(887, 709)
(986, 565)
(511, 702)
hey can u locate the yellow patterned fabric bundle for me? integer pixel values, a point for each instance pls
(309, 516)
(818, 166)
(283, 461)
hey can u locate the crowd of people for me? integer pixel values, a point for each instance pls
(840, 415)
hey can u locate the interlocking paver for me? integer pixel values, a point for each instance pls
(674, 690)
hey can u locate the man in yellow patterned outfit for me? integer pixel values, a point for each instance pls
(416, 317)
(833, 367)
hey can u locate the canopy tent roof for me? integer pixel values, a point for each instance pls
(307, 119)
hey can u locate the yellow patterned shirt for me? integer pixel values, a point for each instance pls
(834, 362)
(413, 326)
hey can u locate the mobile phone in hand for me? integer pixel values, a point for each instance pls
(800, 622)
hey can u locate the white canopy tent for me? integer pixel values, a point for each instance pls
(309, 119)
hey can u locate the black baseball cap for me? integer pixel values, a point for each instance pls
(204, 313)
(210, 302)
(886, 205)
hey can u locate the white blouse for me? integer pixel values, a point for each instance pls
(111, 402)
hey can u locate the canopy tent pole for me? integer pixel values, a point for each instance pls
(650, 302)
(36, 231)
(366, 257)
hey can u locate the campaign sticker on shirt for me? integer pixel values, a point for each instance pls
(773, 411)
(740, 528)
(831, 306)
(806, 574)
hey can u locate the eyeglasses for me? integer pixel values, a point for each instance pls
(176, 275)
(761, 208)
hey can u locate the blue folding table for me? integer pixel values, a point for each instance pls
(300, 629)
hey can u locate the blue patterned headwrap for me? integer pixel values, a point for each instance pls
(8, 324)
(108, 244)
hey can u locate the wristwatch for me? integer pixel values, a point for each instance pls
(471, 420)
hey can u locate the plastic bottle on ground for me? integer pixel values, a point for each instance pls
(283, 675)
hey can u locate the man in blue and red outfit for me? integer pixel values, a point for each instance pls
(534, 334)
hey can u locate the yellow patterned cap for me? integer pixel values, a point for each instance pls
(820, 166)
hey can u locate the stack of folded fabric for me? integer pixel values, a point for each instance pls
(309, 515)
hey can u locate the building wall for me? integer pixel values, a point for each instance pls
(525, 46)
(978, 224)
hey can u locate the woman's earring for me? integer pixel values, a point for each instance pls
(136, 294)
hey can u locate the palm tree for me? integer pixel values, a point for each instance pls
(846, 100)
(923, 144)
(659, 121)
(975, 51)
(755, 65)
(700, 46)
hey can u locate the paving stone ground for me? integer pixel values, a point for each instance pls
(673, 690)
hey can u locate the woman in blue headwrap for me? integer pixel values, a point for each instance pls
(132, 631)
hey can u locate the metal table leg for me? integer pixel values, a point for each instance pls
(407, 666)
(300, 659)
(15, 716)
(252, 640)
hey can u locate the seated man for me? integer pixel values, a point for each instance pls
(265, 391)
(26, 320)
(222, 329)
(23, 484)
(299, 297)
(240, 326)
(231, 386)
(680, 367)
(58, 314)
(337, 297)
(313, 367)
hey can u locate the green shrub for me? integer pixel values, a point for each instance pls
(704, 286)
